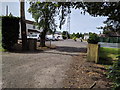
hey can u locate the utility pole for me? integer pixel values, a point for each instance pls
(23, 25)
(7, 10)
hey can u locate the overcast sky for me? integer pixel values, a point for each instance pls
(78, 22)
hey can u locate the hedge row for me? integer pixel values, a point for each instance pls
(110, 39)
(10, 31)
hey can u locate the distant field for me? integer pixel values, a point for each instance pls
(108, 55)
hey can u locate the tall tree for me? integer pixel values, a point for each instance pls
(44, 14)
(23, 25)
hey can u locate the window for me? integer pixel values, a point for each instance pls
(33, 26)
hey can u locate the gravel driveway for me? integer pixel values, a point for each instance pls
(63, 67)
(45, 69)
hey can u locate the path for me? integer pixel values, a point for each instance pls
(48, 69)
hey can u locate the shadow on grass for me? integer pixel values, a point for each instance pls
(107, 55)
(105, 61)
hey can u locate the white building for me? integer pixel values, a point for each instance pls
(31, 30)
(86, 36)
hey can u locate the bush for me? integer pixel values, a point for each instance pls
(65, 35)
(10, 31)
(93, 38)
(74, 38)
(110, 39)
(114, 75)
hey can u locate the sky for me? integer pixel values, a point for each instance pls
(78, 22)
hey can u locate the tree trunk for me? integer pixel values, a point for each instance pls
(23, 26)
(42, 40)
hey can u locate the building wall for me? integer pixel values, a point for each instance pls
(86, 37)
(28, 26)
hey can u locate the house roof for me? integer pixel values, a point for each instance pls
(34, 30)
(29, 22)
(114, 34)
(86, 33)
(58, 32)
(102, 35)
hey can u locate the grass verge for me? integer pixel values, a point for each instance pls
(108, 55)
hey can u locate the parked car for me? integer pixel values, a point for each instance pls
(34, 36)
(50, 37)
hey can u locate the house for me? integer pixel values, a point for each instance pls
(31, 30)
(86, 36)
(114, 34)
(111, 34)
(102, 35)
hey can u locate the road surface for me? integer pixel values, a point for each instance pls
(45, 69)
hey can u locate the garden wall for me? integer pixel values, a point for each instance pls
(93, 52)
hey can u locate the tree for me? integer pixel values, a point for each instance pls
(23, 25)
(38, 10)
(109, 9)
(65, 35)
(44, 17)
(81, 35)
(78, 35)
(44, 14)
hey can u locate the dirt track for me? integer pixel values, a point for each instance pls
(50, 68)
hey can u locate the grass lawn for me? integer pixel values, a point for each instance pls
(108, 55)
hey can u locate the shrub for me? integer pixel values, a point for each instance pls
(93, 38)
(10, 31)
(65, 35)
(74, 38)
(114, 75)
(110, 39)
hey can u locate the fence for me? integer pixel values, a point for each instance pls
(110, 39)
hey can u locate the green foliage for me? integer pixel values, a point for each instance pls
(65, 35)
(10, 31)
(110, 50)
(109, 9)
(107, 55)
(44, 13)
(110, 39)
(93, 38)
(74, 38)
(114, 74)
(114, 70)
(77, 35)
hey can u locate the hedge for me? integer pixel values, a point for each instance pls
(10, 31)
(93, 38)
(110, 39)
